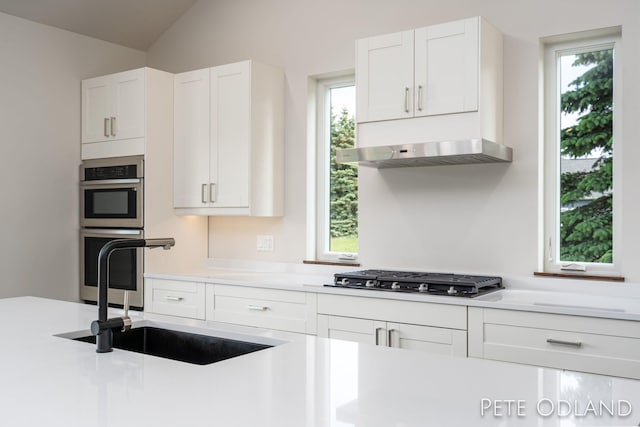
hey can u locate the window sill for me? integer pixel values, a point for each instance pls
(579, 276)
(336, 263)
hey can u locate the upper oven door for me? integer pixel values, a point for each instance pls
(112, 203)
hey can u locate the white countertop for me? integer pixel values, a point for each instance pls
(580, 298)
(52, 381)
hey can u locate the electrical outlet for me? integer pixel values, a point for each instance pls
(264, 243)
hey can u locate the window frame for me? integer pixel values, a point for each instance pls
(553, 49)
(322, 154)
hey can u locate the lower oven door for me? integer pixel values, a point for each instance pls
(125, 266)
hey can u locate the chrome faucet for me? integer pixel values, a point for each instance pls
(103, 327)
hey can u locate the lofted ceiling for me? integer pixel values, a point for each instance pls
(133, 23)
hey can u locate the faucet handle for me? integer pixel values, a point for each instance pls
(126, 303)
(126, 319)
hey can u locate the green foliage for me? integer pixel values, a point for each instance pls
(586, 221)
(344, 180)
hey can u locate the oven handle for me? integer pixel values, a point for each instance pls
(111, 181)
(107, 231)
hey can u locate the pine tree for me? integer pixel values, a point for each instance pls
(586, 231)
(344, 179)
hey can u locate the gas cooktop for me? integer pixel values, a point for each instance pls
(459, 285)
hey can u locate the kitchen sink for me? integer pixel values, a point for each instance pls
(179, 345)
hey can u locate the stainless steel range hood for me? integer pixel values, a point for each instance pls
(427, 154)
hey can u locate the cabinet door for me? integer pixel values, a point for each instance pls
(230, 134)
(95, 109)
(446, 68)
(384, 77)
(352, 329)
(425, 338)
(191, 139)
(127, 104)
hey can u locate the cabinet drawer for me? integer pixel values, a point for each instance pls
(265, 308)
(176, 298)
(417, 313)
(602, 346)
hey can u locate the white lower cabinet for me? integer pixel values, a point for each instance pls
(577, 343)
(434, 328)
(175, 298)
(399, 335)
(284, 310)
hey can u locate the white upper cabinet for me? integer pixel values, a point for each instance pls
(384, 77)
(96, 113)
(230, 154)
(446, 68)
(427, 71)
(113, 107)
(191, 138)
(228, 140)
(436, 83)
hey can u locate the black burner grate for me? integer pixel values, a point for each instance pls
(409, 281)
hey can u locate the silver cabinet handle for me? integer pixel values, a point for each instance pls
(113, 126)
(420, 98)
(212, 192)
(576, 344)
(378, 336)
(406, 99)
(106, 124)
(172, 298)
(257, 307)
(204, 193)
(390, 337)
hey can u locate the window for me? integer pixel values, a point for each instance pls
(336, 233)
(581, 166)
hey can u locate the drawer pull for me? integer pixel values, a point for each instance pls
(172, 298)
(257, 307)
(576, 344)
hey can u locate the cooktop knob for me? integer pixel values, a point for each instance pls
(395, 285)
(370, 284)
(344, 282)
(452, 291)
(423, 287)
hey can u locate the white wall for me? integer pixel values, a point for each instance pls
(40, 72)
(476, 218)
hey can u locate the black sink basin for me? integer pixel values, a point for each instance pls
(176, 345)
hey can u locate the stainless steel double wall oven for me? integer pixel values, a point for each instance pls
(112, 207)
